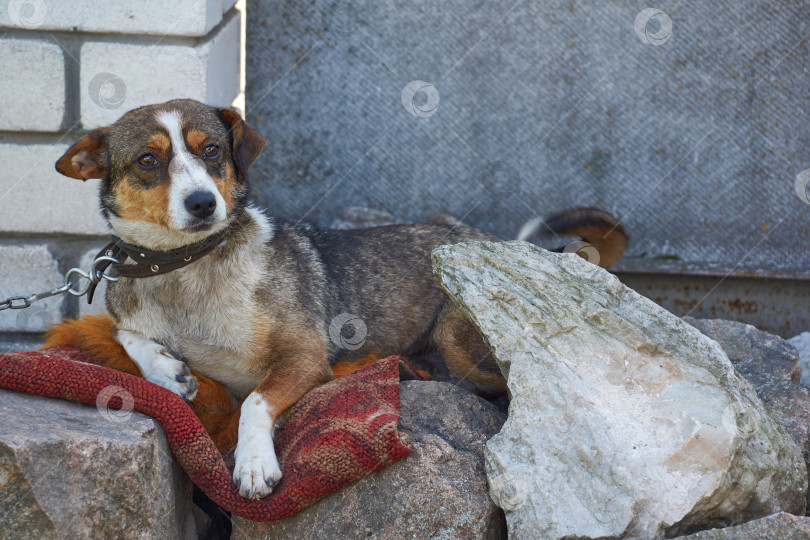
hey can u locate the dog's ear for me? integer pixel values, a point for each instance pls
(87, 158)
(247, 143)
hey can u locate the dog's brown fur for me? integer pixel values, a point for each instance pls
(213, 405)
(93, 334)
(258, 313)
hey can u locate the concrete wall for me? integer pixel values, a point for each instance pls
(695, 134)
(691, 121)
(67, 67)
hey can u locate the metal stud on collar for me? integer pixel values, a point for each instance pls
(155, 268)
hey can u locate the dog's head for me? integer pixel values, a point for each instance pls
(171, 173)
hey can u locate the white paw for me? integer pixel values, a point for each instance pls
(257, 470)
(159, 365)
(169, 372)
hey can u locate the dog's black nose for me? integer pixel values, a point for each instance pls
(201, 204)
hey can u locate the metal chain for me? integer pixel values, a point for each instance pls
(95, 275)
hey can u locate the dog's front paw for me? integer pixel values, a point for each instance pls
(159, 365)
(175, 375)
(257, 470)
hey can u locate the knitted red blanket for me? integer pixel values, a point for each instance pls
(335, 435)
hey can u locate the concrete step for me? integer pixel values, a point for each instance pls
(19, 342)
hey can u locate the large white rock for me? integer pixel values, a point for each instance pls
(624, 420)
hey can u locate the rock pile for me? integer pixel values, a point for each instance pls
(439, 491)
(624, 421)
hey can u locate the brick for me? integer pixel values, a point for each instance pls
(155, 17)
(33, 95)
(228, 4)
(117, 77)
(38, 199)
(26, 269)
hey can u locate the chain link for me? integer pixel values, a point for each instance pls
(9, 303)
(95, 275)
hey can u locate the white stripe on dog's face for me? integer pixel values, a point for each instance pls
(187, 175)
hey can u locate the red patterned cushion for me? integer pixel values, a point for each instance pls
(335, 435)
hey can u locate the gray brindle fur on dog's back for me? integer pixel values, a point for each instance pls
(248, 299)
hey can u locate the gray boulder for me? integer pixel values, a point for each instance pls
(779, 526)
(624, 420)
(439, 491)
(68, 470)
(752, 351)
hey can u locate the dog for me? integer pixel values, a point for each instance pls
(257, 302)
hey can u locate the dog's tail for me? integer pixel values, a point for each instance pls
(603, 237)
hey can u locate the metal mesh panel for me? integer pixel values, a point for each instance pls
(693, 137)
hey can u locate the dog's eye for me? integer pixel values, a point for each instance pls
(211, 151)
(147, 161)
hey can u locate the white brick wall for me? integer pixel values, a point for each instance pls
(223, 59)
(117, 77)
(24, 270)
(155, 17)
(33, 90)
(39, 199)
(67, 66)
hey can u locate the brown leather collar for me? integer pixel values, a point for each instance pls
(150, 263)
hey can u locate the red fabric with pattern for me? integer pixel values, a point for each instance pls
(335, 435)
